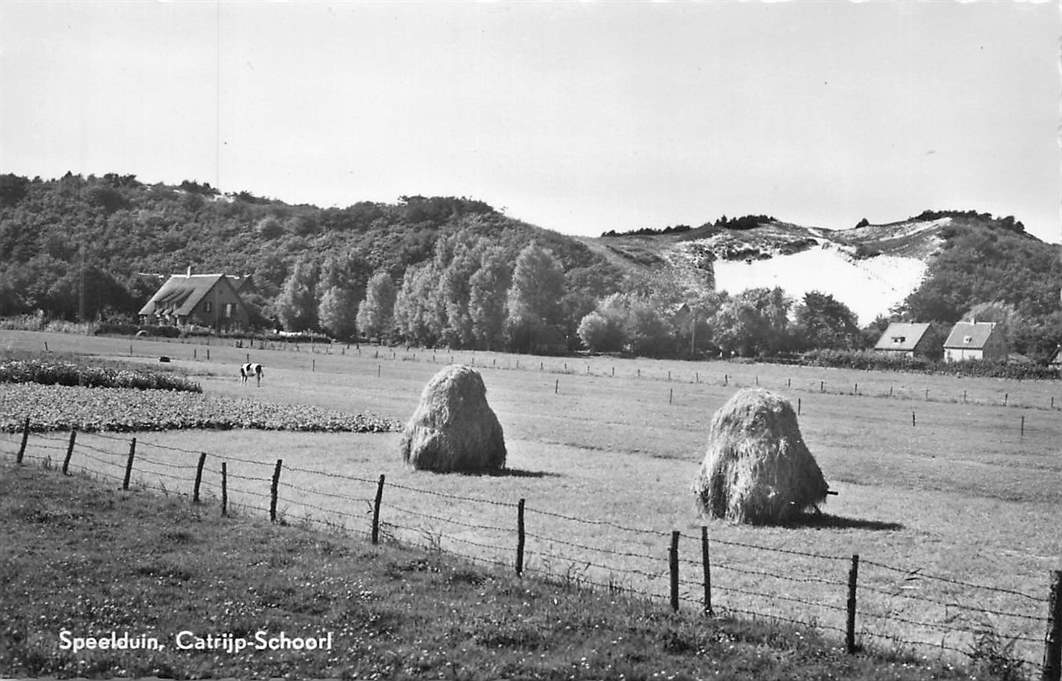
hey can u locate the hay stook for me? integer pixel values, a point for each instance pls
(757, 468)
(453, 428)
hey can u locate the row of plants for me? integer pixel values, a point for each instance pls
(78, 373)
(55, 407)
(870, 360)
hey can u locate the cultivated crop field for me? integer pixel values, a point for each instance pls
(937, 496)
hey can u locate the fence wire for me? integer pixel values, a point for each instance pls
(545, 553)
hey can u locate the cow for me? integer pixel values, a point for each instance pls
(251, 369)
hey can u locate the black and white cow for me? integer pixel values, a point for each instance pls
(251, 369)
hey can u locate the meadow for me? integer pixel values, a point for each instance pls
(965, 495)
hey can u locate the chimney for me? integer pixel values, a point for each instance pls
(189, 275)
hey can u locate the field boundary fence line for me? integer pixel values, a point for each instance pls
(871, 610)
(572, 367)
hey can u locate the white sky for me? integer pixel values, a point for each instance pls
(576, 117)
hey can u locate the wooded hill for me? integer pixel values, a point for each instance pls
(450, 263)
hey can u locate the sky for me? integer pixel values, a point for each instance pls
(578, 117)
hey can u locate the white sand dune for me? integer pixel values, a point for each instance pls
(869, 286)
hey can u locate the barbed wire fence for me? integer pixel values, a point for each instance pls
(868, 603)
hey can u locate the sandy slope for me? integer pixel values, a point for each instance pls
(869, 286)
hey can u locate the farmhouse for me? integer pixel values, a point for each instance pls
(210, 300)
(975, 340)
(908, 340)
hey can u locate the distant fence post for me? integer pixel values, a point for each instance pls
(224, 489)
(273, 491)
(520, 537)
(556, 387)
(914, 421)
(376, 511)
(129, 463)
(1006, 397)
(853, 578)
(799, 406)
(822, 386)
(1023, 425)
(25, 439)
(673, 565)
(1053, 640)
(707, 571)
(69, 451)
(198, 477)
(670, 395)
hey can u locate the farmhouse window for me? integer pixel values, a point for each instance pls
(208, 306)
(898, 339)
(228, 310)
(967, 340)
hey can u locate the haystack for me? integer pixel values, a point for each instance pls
(453, 428)
(757, 468)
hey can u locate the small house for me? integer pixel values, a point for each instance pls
(975, 340)
(908, 340)
(210, 300)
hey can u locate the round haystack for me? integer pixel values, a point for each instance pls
(453, 428)
(757, 468)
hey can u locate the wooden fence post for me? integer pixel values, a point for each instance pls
(377, 371)
(129, 463)
(208, 354)
(376, 511)
(799, 405)
(822, 386)
(669, 375)
(726, 379)
(198, 477)
(927, 394)
(1053, 639)
(273, 491)
(1006, 397)
(707, 571)
(313, 365)
(25, 439)
(1023, 425)
(69, 450)
(670, 395)
(224, 489)
(853, 578)
(556, 386)
(673, 565)
(913, 421)
(520, 538)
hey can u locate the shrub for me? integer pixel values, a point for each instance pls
(869, 360)
(74, 373)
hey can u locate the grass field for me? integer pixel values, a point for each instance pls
(74, 562)
(961, 495)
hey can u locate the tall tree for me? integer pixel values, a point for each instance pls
(418, 314)
(296, 306)
(376, 312)
(488, 291)
(534, 300)
(825, 322)
(337, 312)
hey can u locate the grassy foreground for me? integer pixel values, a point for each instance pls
(88, 558)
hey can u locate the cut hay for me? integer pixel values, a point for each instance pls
(757, 468)
(453, 428)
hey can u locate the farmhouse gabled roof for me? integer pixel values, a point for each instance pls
(181, 293)
(901, 336)
(969, 335)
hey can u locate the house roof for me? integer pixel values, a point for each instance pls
(901, 336)
(969, 335)
(181, 293)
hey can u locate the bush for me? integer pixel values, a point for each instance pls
(869, 360)
(116, 329)
(75, 373)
